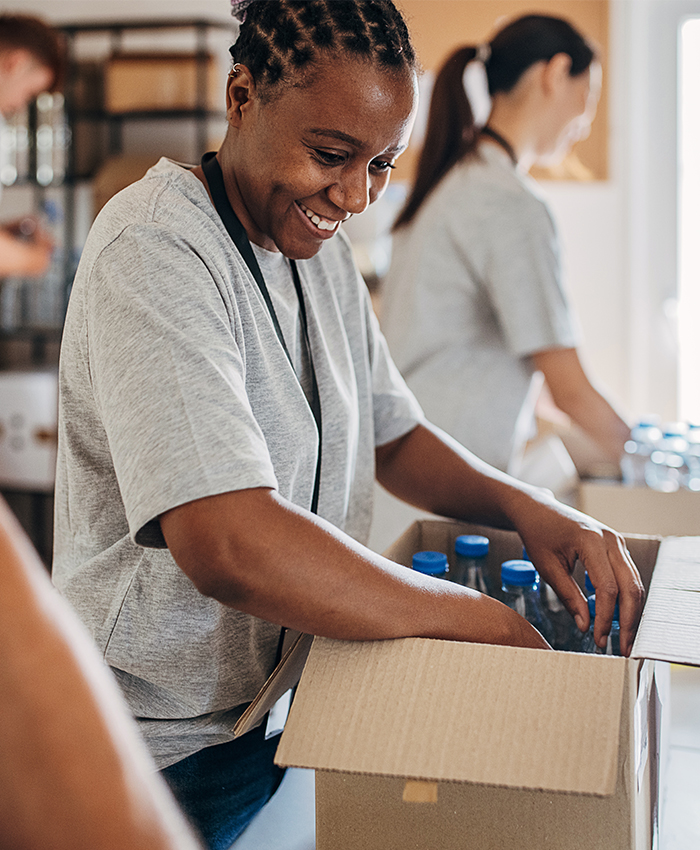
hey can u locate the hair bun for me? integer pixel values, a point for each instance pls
(238, 9)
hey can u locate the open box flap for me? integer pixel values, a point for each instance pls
(285, 676)
(442, 710)
(670, 625)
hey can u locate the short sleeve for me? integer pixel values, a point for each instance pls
(523, 278)
(396, 411)
(168, 377)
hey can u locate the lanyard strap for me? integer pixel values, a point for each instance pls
(504, 143)
(234, 228)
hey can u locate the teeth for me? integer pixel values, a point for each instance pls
(321, 223)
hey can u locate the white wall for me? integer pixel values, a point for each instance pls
(620, 236)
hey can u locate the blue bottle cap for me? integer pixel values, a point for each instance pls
(472, 545)
(430, 563)
(518, 573)
(591, 609)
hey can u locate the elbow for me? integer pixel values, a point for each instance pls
(216, 576)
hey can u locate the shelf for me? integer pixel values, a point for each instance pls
(171, 24)
(147, 115)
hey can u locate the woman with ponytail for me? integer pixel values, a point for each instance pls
(227, 401)
(473, 307)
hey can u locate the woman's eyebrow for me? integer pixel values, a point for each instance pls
(351, 140)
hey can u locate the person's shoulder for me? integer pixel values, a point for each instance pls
(168, 198)
(167, 186)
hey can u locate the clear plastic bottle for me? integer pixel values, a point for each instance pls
(613, 646)
(692, 458)
(431, 564)
(520, 583)
(667, 468)
(565, 633)
(644, 438)
(471, 551)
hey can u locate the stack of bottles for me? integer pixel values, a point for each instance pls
(521, 589)
(663, 458)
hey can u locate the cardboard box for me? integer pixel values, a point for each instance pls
(640, 510)
(160, 82)
(423, 744)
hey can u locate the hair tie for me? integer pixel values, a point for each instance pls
(238, 9)
(483, 53)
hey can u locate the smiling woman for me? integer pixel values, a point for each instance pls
(226, 400)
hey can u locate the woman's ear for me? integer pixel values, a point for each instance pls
(240, 90)
(556, 71)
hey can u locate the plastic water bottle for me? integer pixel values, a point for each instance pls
(431, 564)
(520, 583)
(565, 633)
(613, 646)
(692, 458)
(644, 438)
(667, 468)
(471, 551)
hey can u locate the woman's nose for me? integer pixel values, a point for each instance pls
(352, 191)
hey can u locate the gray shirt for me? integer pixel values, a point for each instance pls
(474, 288)
(173, 387)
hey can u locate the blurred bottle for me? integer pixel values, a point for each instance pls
(431, 564)
(643, 440)
(692, 458)
(471, 551)
(667, 468)
(613, 646)
(52, 139)
(520, 583)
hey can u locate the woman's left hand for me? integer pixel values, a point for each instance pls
(555, 537)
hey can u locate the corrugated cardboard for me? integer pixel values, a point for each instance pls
(160, 81)
(641, 510)
(514, 747)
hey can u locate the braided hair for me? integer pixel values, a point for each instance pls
(281, 38)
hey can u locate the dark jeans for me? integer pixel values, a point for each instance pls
(222, 788)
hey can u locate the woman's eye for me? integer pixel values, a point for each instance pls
(382, 165)
(329, 158)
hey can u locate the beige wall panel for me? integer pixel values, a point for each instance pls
(439, 26)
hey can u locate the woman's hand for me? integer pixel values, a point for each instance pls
(555, 537)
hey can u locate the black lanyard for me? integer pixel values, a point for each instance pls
(215, 179)
(504, 143)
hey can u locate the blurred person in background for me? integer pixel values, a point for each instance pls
(473, 306)
(31, 62)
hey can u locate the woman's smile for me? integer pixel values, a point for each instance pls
(327, 226)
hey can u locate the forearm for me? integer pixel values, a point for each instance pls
(595, 415)
(74, 774)
(430, 470)
(281, 564)
(574, 394)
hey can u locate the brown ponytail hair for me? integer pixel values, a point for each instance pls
(451, 133)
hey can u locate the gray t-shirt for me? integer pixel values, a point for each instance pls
(173, 387)
(473, 289)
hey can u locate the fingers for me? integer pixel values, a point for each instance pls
(612, 573)
(629, 590)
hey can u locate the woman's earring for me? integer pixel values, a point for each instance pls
(235, 70)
